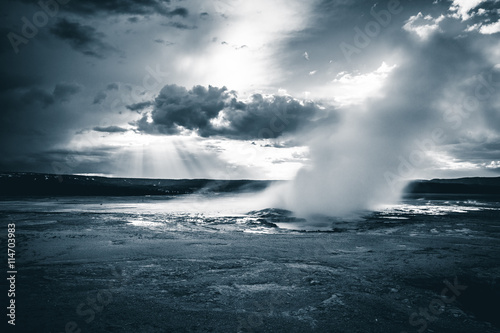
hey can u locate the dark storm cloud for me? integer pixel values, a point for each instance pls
(63, 153)
(13, 81)
(477, 151)
(19, 97)
(284, 144)
(131, 7)
(218, 112)
(164, 42)
(110, 129)
(112, 86)
(179, 25)
(176, 106)
(63, 161)
(29, 124)
(82, 38)
(100, 97)
(268, 117)
(121, 7)
(489, 8)
(35, 119)
(180, 11)
(38, 95)
(139, 106)
(63, 91)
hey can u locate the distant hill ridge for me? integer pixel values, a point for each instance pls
(469, 185)
(40, 184)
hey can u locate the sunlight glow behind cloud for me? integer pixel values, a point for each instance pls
(243, 50)
(353, 88)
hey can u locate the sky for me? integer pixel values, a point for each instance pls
(376, 91)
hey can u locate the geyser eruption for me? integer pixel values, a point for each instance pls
(347, 171)
(364, 159)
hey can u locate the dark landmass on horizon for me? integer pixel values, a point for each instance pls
(40, 184)
(448, 188)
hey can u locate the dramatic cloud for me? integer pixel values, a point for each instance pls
(462, 8)
(40, 96)
(182, 12)
(37, 95)
(132, 7)
(82, 38)
(489, 29)
(139, 106)
(486, 22)
(112, 86)
(179, 25)
(218, 112)
(423, 26)
(122, 7)
(100, 97)
(63, 91)
(110, 129)
(164, 42)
